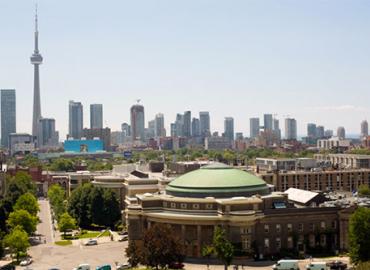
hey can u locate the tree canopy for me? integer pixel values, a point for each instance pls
(161, 248)
(22, 218)
(66, 223)
(56, 196)
(18, 185)
(27, 202)
(223, 248)
(359, 240)
(17, 241)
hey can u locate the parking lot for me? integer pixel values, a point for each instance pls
(68, 257)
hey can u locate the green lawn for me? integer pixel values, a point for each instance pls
(63, 243)
(92, 234)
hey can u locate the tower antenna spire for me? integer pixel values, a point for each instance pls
(36, 20)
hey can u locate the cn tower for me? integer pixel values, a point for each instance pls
(36, 61)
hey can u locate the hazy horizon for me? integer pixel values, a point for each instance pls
(309, 60)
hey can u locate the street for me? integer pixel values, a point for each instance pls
(44, 228)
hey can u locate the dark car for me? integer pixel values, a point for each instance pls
(176, 266)
(337, 265)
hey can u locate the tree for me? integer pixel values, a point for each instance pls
(223, 248)
(112, 210)
(364, 190)
(133, 254)
(18, 185)
(161, 248)
(79, 205)
(17, 241)
(66, 223)
(27, 202)
(62, 164)
(207, 252)
(359, 242)
(97, 207)
(56, 196)
(24, 220)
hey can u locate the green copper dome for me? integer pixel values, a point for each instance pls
(217, 180)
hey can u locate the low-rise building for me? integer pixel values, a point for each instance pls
(21, 143)
(350, 161)
(339, 144)
(217, 143)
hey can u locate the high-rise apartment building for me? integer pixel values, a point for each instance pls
(229, 128)
(341, 133)
(75, 119)
(103, 134)
(254, 127)
(320, 132)
(290, 129)
(126, 130)
(204, 123)
(267, 122)
(328, 133)
(96, 115)
(179, 125)
(137, 122)
(364, 129)
(311, 130)
(47, 137)
(195, 127)
(276, 129)
(160, 131)
(8, 115)
(173, 130)
(187, 124)
(150, 132)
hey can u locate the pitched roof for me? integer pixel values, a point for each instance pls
(300, 195)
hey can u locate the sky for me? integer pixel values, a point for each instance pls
(305, 59)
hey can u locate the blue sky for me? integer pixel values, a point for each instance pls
(307, 59)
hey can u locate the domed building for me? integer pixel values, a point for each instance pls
(257, 221)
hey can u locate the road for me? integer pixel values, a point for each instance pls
(45, 226)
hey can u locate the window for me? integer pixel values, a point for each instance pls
(278, 243)
(246, 243)
(195, 206)
(209, 206)
(173, 205)
(278, 228)
(312, 227)
(289, 227)
(300, 227)
(312, 240)
(183, 206)
(290, 242)
(323, 240)
(267, 228)
(164, 204)
(323, 225)
(267, 243)
(245, 230)
(255, 207)
(334, 224)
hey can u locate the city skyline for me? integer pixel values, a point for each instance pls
(190, 80)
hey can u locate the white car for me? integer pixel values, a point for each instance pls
(123, 238)
(26, 262)
(91, 242)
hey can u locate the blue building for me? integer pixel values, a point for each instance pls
(83, 146)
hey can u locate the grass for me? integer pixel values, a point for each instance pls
(92, 234)
(63, 243)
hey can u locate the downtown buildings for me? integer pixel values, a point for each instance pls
(8, 115)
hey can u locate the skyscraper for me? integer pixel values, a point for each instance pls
(364, 129)
(47, 136)
(229, 128)
(96, 115)
(320, 132)
(276, 129)
(159, 125)
(254, 127)
(267, 122)
(137, 122)
(36, 61)
(290, 129)
(195, 127)
(126, 130)
(341, 133)
(311, 130)
(8, 115)
(150, 132)
(75, 119)
(204, 123)
(187, 124)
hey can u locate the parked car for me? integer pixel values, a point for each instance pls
(316, 266)
(26, 262)
(337, 265)
(91, 242)
(286, 265)
(54, 268)
(83, 266)
(176, 266)
(123, 266)
(123, 238)
(104, 267)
